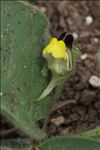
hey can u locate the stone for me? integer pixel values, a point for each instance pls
(94, 81)
(89, 20)
(58, 121)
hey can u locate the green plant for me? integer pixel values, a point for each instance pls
(23, 38)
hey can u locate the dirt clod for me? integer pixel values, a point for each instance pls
(58, 121)
(88, 98)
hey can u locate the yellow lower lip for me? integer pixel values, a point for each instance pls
(56, 48)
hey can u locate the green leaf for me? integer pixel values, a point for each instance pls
(70, 143)
(75, 55)
(22, 39)
(7, 148)
(94, 133)
(17, 143)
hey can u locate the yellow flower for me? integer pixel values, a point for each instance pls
(56, 48)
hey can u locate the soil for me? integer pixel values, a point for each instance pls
(78, 108)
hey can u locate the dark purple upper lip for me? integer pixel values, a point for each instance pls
(67, 38)
(62, 36)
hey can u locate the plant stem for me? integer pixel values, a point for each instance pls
(91, 133)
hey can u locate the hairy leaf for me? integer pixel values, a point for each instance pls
(22, 39)
(70, 143)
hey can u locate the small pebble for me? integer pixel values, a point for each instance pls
(95, 40)
(94, 81)
(65, 131)
(89, 20)
(75, 35)
(84, 56)
(58, 121)
(43, 9)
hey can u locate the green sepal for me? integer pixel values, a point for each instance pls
(75, 55)
(48, 89)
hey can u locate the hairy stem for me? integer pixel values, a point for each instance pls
(92, 133)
